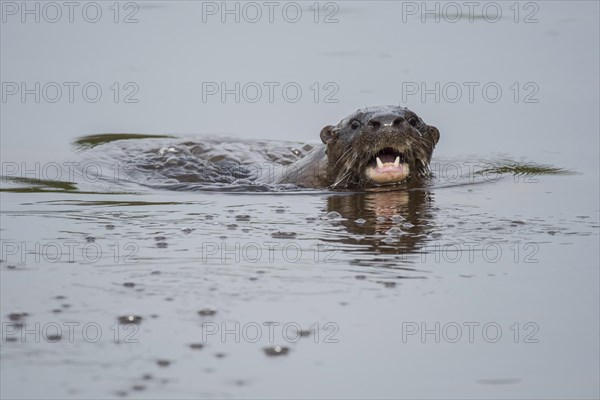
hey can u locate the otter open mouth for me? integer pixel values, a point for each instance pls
(388, 166)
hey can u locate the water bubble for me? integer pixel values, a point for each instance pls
(206, 312)
(173, 161)
(162, 245)
(53, 338)
(407, 225)
(16, 316)
(276, 350)
(332, 215)
(163, 363)
(360, 221)
(130, 319)
(283, 235)
(394, 232)
(380, 220)
(242, 217)
(196, 346)
(187, 230)
(129, 284)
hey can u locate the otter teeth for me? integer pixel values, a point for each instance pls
(380, 164)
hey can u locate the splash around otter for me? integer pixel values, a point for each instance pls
(371, 147)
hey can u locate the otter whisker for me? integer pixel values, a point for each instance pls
(345, 154)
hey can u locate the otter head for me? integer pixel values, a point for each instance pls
(378, 145)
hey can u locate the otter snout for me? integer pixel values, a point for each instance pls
(387, 120)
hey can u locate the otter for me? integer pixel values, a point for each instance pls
(374, 146)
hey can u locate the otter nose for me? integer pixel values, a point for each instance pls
(385, 120)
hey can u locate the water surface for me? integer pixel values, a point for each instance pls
(467, 286)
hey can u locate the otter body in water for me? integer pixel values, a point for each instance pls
(373, 146)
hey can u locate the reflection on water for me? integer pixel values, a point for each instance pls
(387, 222)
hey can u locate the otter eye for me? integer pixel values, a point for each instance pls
(355, 124)
(413, 121)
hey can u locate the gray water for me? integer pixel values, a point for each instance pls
(465, 288)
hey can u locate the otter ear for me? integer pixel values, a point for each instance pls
(327, 134)
(434, 134)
